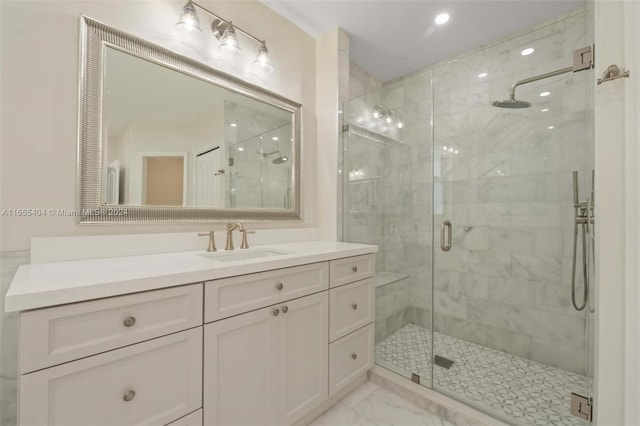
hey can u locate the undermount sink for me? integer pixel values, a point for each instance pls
(242, 255)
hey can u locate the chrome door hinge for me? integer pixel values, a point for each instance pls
(583, 59)
(581, 406)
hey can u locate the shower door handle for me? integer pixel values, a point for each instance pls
(445, 241)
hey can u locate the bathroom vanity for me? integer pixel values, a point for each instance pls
(270, 335)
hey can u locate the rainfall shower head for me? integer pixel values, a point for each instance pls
(512, 104)
(281, 159)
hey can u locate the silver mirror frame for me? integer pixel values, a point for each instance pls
(94, 37)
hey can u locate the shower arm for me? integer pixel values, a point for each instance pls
(512, 93)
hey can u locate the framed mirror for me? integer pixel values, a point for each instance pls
(164, 138)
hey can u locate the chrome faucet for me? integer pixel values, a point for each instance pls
(233, 226)
(230, 228)
(212, 241)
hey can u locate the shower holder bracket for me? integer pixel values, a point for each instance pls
(581, 406)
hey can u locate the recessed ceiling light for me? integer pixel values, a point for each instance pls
(482, 75)
(443, 18)
(550, 127)
(240, 148)
(233, 125)
(275, 138)
(527, 51)
(544, 110)
(543, 94)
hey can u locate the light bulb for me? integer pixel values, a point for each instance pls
(543, 94)
(189, 24)
(229, 40)
(528, 51)
(400, 125)
(389, 120)
(262, 59)
(482, 75)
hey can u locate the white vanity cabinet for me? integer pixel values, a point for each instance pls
(269, 366)
(352, 300)
(134, 359)
(263, 342)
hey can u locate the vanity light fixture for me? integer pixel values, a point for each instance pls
(225, 32)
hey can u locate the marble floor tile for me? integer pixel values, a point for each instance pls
(522, 391)
(371, 404)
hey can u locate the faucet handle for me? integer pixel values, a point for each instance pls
(212, 241)
(245, 243)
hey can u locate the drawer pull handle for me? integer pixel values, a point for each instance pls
(279, 286)
(354, 355)
(354, 269)
(276, 312)
(129, 322)
(354, 306)
(285, 309)
(129, 395)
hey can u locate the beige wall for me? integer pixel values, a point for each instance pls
(39, 86)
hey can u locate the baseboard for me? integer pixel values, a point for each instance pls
(441, 405)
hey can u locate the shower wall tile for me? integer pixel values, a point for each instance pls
(552, 352)
(494, 337)
(452, 305)
(361, 82)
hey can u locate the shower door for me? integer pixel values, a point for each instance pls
(386, 200)
(507, 338)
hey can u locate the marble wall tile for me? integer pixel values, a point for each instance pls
(9, 263)
(559, 354)
(482, 334)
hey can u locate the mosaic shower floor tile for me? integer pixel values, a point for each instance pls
(519, 390)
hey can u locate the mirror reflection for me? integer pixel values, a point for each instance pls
(171, 139)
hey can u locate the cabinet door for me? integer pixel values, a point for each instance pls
(303, 356)
(240, 370)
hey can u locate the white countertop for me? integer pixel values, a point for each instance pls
(49, 284)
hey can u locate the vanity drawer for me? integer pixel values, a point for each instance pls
(151, 383)
(350, 308)
(350, 357)
(350, 269)
(63, 333)
(232, 296)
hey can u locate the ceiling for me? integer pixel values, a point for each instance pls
(391, 38)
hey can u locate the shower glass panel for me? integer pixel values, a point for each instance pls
(473, 209)
(502, 294)
(386, 174)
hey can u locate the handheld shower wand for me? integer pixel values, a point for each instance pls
(582, 220)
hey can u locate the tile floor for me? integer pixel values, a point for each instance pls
(371, 404)
(518, 390)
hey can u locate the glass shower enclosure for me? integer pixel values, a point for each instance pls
(479, 215)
